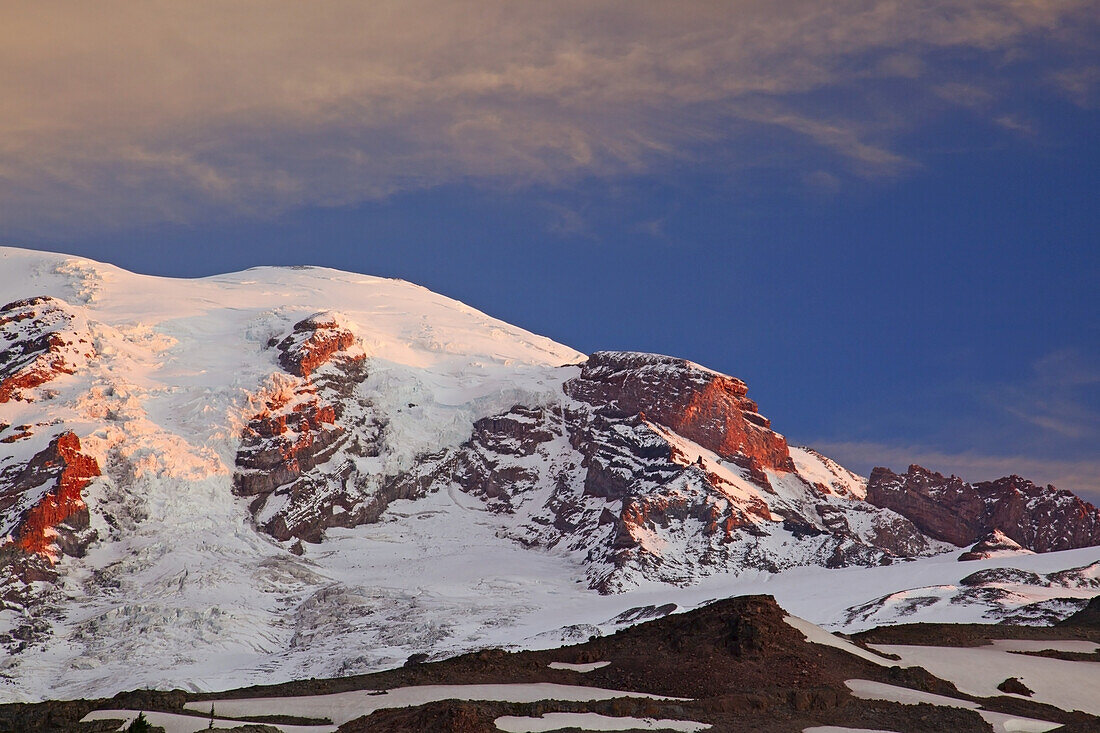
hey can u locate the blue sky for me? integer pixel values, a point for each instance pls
(883, 216)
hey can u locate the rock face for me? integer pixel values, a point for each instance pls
(40, 339)
(1041, 519)
(707, 408)
(314, 342)
(994, 544)
(605, 475)
(286, 446)
(43, 515)
(42, 505)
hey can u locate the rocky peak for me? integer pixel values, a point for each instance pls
(1041, 519)
(704, 406)
(40, 338)
(296, 432)
(313, 342)
(994, 544)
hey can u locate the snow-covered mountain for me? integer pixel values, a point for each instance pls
(291, 472)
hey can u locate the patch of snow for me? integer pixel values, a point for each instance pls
(819, 469)
(341, 707)
(1005, 723)
(978, 670)
(586, 667)
(1001, 722)
(174, 723)
(591, 721)
(818, 635)
(871, 690)
(1074, 646)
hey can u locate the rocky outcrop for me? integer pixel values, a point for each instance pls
(40, 339)
(42, 503)
(315, 341)
(1013, 686)
(1041, 519)
(43, 516)
(293, 433)
(286, 457)
(706, 407)
(1087, 617)
(604, 475)
(994, 544)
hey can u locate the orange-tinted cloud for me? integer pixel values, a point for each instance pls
(144, 111)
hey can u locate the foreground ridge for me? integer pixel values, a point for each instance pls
(738, 664)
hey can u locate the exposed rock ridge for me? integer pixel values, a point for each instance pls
(43, 515)
(1041, 519)
(40, 339)
(605, 476)
(42, 503)
(286, 446)
(706, 407)
(994, 544)
(315, 341)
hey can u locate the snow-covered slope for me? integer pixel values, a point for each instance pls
(293, 472)
(158, 378)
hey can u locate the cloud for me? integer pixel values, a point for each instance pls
(1060, 397)
(1081, 84)
(1045, 427)
(568, 222)
(1015, 124)
(166, 111)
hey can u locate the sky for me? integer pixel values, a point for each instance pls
(882, 215)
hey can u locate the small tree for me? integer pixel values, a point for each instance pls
(139, 725)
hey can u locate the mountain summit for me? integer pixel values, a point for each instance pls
(260, 475)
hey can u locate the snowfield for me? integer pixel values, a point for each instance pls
(341, 707)
(978, 670)
(1001, 722)
(174, 723)
(591, 721)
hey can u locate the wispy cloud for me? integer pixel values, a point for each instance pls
(1081, 84)
(156, 111)
(1045, 427)
(567, 221)
(1056, 398)
(1013, 123)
